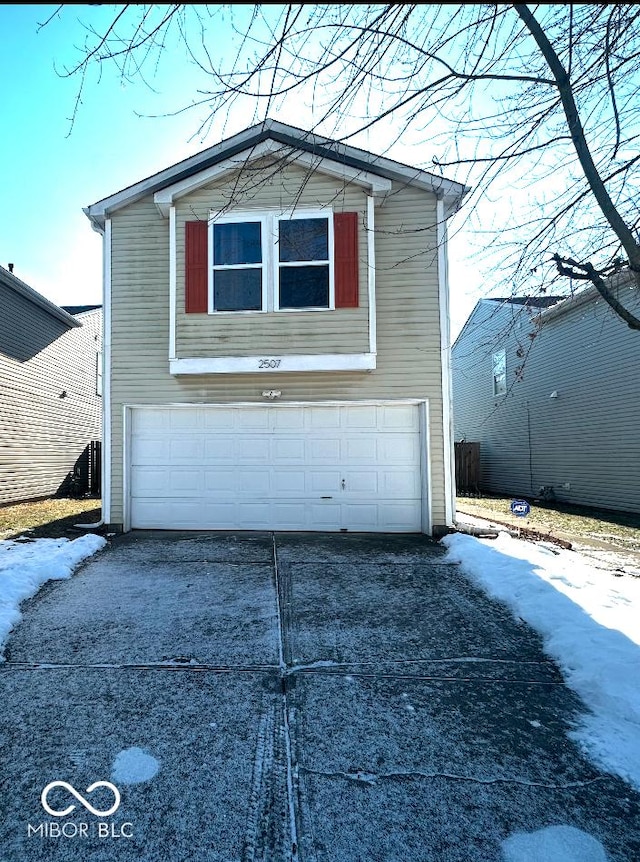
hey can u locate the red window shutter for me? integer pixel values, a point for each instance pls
(196, 282)
(345, 252)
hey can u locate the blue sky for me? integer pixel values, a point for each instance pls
(53, 168)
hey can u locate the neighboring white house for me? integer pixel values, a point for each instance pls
(550, 389)
(277, 341)
(50, 405)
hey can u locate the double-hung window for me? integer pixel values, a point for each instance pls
(303, 278)
(271, 262)
(238, 271)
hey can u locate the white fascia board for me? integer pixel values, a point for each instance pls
(98, 211)
(270, 364)
(451, 191)
(164, 198)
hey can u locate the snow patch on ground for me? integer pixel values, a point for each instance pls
(557, 843)
(133, 766)
(588, 619)
(26, 566)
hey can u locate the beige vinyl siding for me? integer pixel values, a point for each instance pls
(41, 434)
(295, 332)
(408, 364)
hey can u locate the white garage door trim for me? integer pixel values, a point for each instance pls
(424, 440)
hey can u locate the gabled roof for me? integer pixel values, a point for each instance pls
(540, 302)
(248, 143)
(8, 279)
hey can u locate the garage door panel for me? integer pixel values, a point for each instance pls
(399, 417)
(324, 516)
(360, 450)
(290, 482)
(221, 481)
(321, 451)
(401, 517)
(149, 450)
(398, 449)
(360, 417)
(220, 449)
(221, 419)
(289, 450)
(323, 481)
(287, 419)
(252, 419)
(251, 449)
(146, 481)
(254, 483)
(359, 481)
(186, 449)
(270, 468)
(185, 421)
(400, 484)
(321, 418)
(151, 420)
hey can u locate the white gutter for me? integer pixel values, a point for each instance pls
(445, 364)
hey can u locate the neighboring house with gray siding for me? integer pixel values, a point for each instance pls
(550, 389)
(276, 341)
(50, 409)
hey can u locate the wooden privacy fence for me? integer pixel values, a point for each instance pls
(86, 476)
(467, 467)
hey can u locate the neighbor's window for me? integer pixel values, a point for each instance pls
(303, 263)
(237, 266)
(99, 373)
(499, 364)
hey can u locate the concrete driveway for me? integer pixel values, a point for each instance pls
(313, 697)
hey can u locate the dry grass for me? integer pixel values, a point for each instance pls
(53, 518)
(567, 522)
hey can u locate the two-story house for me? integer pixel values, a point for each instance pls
(549, 388)
(276, 341)
(50, 391)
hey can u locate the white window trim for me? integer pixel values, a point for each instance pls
(270, 220)
(275, 226)
(239, 218)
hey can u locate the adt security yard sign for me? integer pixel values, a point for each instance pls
(520, 508)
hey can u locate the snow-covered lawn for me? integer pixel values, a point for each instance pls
(589, 619)
(26, 566)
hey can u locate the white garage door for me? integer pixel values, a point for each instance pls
(276, 468)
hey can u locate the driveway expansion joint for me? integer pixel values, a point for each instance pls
(170, 666)
(365, 777)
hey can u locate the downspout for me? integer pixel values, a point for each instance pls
(445, 366)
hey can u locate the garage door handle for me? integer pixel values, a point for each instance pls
(326, 498)
(344, 484)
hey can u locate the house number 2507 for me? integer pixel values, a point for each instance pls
(269, 363)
